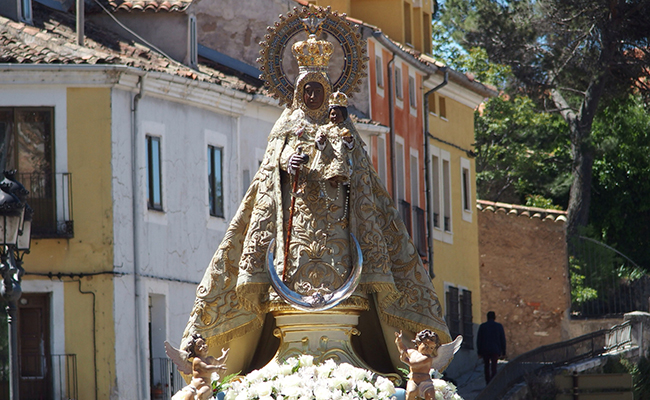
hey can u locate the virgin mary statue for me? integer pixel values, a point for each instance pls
(317, 204)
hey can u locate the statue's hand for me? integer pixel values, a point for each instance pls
(296, 161)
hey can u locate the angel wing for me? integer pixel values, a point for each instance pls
(179, 357)
(446, 354)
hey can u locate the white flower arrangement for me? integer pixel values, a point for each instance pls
(299, 379)
(445, 390)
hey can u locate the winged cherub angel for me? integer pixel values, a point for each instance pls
(194, 360)
(429, 354)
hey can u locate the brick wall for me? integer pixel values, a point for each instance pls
(523, 267)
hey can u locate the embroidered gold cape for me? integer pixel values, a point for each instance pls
(235, 295)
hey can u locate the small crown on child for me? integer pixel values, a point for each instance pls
(338, 99)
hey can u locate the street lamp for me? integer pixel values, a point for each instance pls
(15, 232)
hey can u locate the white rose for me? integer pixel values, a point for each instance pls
(306, 360)
(285, 370)
(322, 393)
(255, 376)
(385, 385)
(263, 389)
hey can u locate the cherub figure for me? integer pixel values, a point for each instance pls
(202, 367)
(429, 354)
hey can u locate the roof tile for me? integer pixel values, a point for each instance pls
(52, 39)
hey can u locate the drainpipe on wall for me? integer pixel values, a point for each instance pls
(427, 166)
(80, 22)
(137, 214)
(391, 125)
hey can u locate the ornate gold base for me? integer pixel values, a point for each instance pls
(324, 335)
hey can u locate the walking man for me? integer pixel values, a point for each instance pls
(491, 344)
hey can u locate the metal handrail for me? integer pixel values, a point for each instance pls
(557, 354)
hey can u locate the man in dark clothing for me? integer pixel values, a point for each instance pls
(491, 344)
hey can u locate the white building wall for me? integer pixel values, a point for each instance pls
(176, 245)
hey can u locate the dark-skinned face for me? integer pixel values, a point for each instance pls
(313, 95)
(336, 115)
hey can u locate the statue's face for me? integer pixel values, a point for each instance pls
(200, 348)
(336, 115)
(313, 95)
(427, 347)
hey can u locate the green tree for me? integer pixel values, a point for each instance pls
(570, 56)
(521, 153)
(620, 211)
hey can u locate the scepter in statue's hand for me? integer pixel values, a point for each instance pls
(295, 164)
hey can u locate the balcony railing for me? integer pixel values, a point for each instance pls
(165, 379)
(419, 231)
(405, 212)
(50, 195)
(53, 377)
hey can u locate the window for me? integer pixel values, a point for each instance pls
(399, 169)
(154, 174)
(432, 103)
(419, 232)
(407, 24)
(381, 159)
(412, 95)
(426, 28)
(215, 181)
(466, 189)
(459, 315)
(398, 83)
(379, 71)
(442, 107)
(435, 168)
(27, 146)
(446, 195)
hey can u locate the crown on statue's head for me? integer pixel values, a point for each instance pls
(312, 53)
(338, 99)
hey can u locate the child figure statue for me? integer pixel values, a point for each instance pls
(420, 361)
(429, 354)
(194, 360)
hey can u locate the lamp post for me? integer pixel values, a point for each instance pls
(15, 232)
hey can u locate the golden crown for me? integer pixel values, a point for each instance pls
(338, 99)
(312, 52)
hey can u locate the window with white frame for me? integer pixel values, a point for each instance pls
(446, 194)
(215, 180)
(418, 215)
(441, 194)
(399, 168)
(381, 158)
(399, 93)
(436, 194)
(458, 315)
(442, 107)
(379, 71)
(412, 93)
(466, 189)
(154, 173)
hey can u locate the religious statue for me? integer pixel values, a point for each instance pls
(316, 229)
(203, 368)
(429, 354)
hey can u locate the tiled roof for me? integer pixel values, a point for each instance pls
(523, 211)
(52, 40)
(149, 5)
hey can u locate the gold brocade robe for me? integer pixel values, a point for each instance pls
(235, 295)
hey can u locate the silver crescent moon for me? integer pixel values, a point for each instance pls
(316, 302)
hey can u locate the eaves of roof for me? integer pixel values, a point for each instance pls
(522, 211)
(149, 5)
(52, 40)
